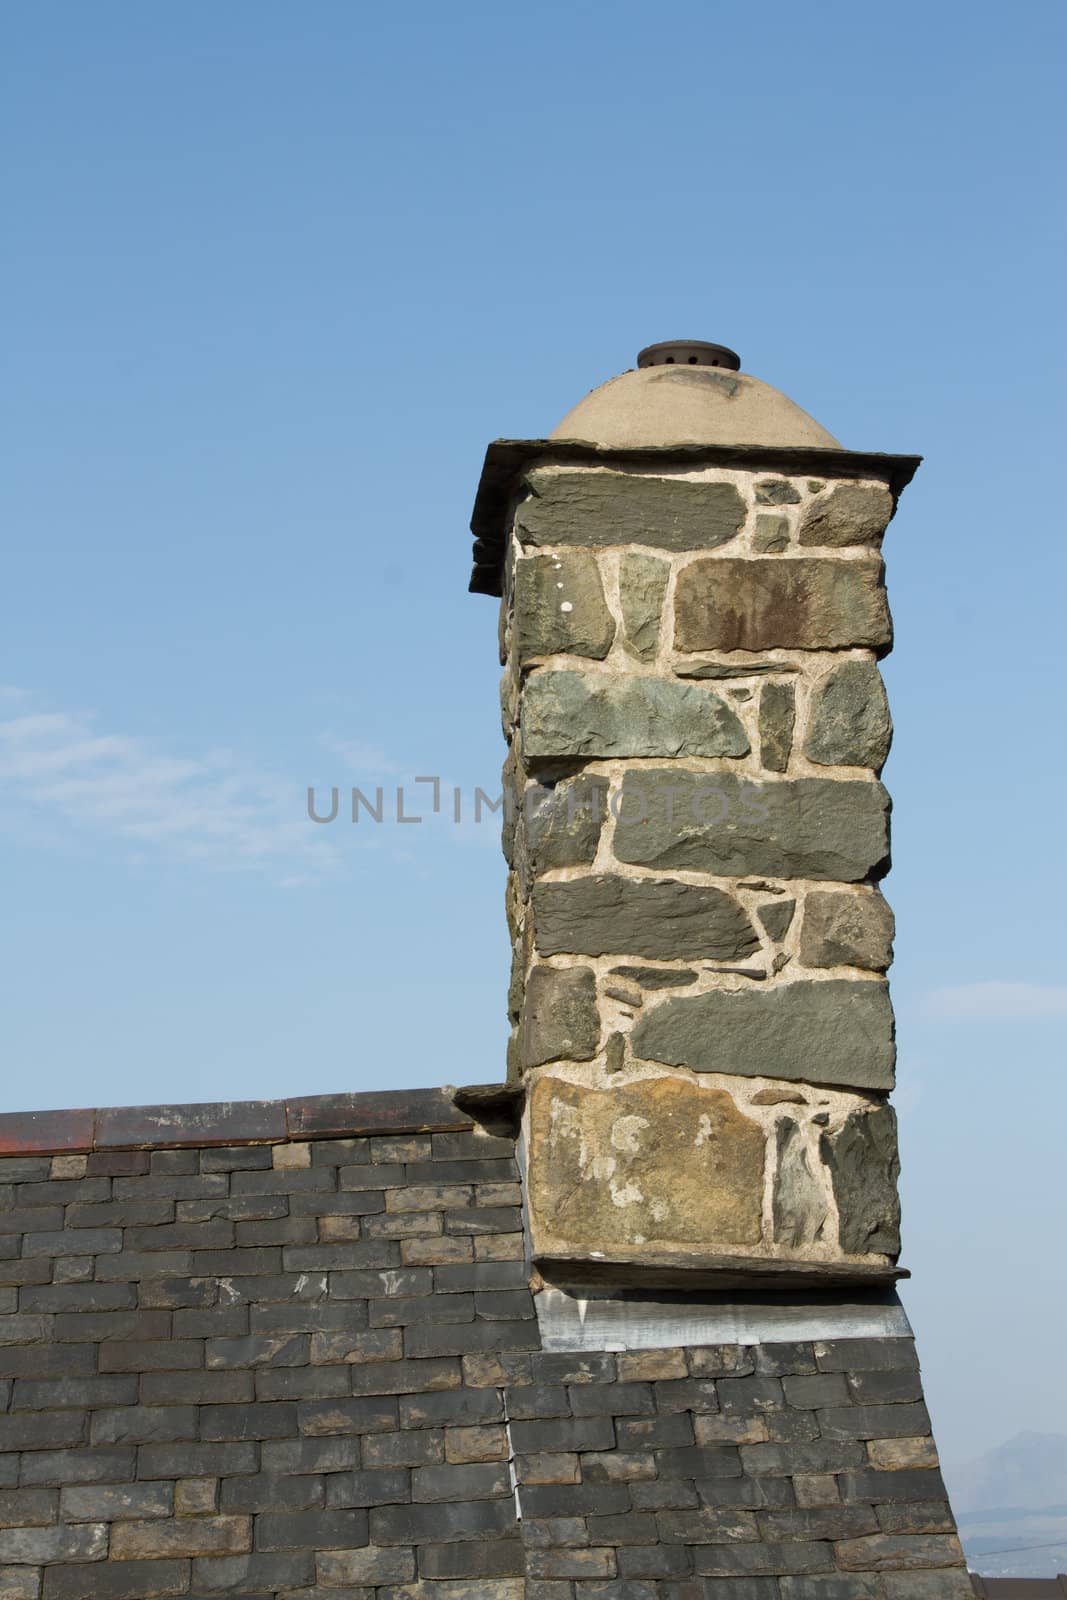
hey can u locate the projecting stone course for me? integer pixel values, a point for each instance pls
(619, 508)
(718, 823)
(599, 715)
(804, 603)
(833, 1032)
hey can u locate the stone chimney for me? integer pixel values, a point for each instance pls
(693, 611)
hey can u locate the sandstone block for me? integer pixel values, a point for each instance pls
(852, 513)
(368, 1566)
(657, 1163)
(559, 1016)
(887, 1552)
(850, 721)
(834, 1032)
(188, 1536)
(810, 603)
(602, 508)
(864, 1165)
(655, 918)
(559, 606)
(846, 930)
(720, 823)
(642, 588)
(902, 1455)
(596, 715)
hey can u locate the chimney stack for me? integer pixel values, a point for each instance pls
(693, 611)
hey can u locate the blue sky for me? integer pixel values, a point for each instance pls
(274, 275)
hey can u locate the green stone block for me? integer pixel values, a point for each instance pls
(836, 1032)
(596, 715)
(598, 508)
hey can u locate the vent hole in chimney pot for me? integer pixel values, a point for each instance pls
(688, 352)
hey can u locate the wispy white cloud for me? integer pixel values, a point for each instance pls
(210, 809)
(998, 1001)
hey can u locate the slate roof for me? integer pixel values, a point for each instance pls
(310, 1365)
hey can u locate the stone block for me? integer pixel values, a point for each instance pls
(944, 1584)
(257, 1575)
(864, 1166)
(19, 1583)
(776, 492)
(770, 534)
(311, 1530)
(810, 603)
(200, 1496)
(896, 1455)
(442, 1523)
(655, 918)
(34, 1545)
(832, 1586)
(615, 508)
(481, 1559)
(114, 1580)
(186, 1536)
(846, 930)
(835, 1032)
(873, 1422)
(777, 715)
(642, 590)
(885, 1388)
(865, 1355)
(916, 1516)
(661, 1162)
(800, 1206)
(850, 725)
(775, 1558)
(596, 715)
(476, 1444)
(559, 607)
(559, 827)
(559, 1016)
(365, 1567)
(888, 1552)
(891, 1487)
(718, 822)
(116, 1502)
(851, 513)
(472, 1481)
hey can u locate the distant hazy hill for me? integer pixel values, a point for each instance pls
(1014, 1496)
